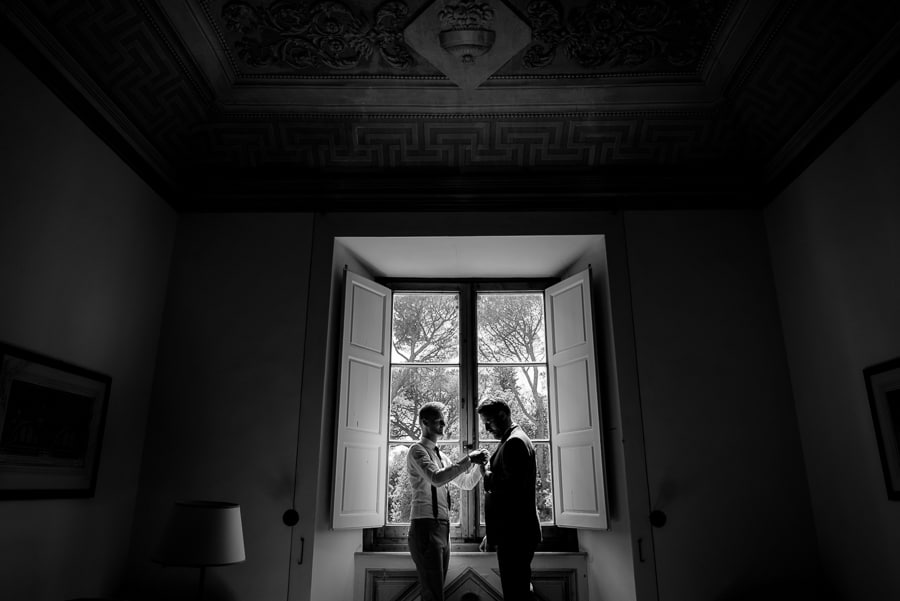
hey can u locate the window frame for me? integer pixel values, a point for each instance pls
(467, 535)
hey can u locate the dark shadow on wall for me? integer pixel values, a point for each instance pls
(780, 591)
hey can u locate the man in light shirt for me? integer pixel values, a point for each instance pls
(429, 521)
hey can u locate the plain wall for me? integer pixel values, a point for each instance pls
(835, 244)
(724, 460)
(85, 247)
(226, 402)
(712, 374)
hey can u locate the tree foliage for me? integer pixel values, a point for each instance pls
(511, 355)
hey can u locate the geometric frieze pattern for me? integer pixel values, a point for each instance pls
(128, 48)
(775, 92)
(487, 143)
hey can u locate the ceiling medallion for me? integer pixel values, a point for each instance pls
(467, 34)
(461, 39)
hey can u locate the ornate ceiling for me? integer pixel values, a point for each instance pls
(262, 104)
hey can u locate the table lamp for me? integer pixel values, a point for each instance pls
(201, 534)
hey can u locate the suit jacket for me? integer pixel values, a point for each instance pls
(510, 512)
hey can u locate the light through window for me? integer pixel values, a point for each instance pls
(407, 343)
(512, 366)
(454, 345)
(424, 367)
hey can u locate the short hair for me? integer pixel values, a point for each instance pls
(490, 407)
(430, 410)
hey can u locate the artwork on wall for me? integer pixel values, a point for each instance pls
(51, 426)
(883, 387)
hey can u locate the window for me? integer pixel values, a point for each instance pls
(455, 342)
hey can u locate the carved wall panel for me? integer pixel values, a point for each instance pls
(402, 585)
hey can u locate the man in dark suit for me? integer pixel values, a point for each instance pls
(511, 520)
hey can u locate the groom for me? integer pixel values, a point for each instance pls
(510, 513)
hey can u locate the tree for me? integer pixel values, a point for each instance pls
(512, 366)
(511, 331)
(511, 339)
(425, 330)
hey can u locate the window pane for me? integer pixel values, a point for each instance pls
(412, 387)
(525, 391)
(510, 328)
(425, 328)
(451, 455)
(542, 487)
(398, 489)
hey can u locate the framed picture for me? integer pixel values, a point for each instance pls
(51, 425)
(883, 387)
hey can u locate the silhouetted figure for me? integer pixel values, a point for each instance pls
(511, 520)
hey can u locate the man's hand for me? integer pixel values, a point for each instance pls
(479, 457)
(484, 547)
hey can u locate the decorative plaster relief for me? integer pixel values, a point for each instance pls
(310, 35)
(468, 41)
(466, 32)
(613, 34)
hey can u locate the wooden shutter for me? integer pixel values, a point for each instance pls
(579, 478)
(361, 439)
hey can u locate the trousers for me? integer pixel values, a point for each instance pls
(429, 545)
(514, 561)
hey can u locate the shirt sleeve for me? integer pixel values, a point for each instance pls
(469, 479)
(429, 470)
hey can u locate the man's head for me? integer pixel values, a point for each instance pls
(495, 416)
(431, 420)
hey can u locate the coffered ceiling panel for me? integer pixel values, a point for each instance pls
(260, 104)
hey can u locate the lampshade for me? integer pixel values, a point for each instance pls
(202, 533)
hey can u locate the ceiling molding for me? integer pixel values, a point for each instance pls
(598, 112)
(42, 53)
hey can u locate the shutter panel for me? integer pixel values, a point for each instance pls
(361, 439)
(579, 478)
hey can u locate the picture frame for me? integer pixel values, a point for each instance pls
(52, 416)
(883, 389)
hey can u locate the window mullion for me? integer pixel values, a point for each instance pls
(468, 394)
